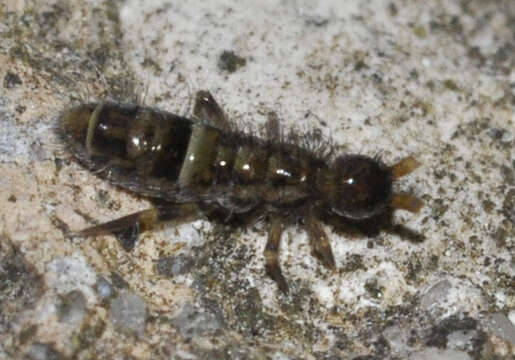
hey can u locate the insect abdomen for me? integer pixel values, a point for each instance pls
(158, 153)
(132, 138)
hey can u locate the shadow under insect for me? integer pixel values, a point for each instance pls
(203, 167)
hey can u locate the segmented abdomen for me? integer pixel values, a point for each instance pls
(156, 153)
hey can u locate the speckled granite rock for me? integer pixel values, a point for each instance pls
(433, 79)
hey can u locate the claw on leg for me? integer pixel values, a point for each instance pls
(319, 242)
(273, 268)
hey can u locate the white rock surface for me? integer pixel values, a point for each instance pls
(430, 79)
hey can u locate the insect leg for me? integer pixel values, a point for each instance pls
(206, 108)
(273, 268)
(128, 228)
(319, 242)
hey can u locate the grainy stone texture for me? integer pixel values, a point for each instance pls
(435, 79)
(128, 313)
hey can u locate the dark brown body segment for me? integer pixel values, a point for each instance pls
(168, 157)
(185, 165)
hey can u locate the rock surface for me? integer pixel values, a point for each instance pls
(430, 79)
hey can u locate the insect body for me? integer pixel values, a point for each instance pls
(188, 168)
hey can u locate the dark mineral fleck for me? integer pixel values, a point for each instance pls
(11, 80)
(230, 62)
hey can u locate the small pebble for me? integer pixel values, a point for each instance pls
(435, 294)
(193, 321)
(499, 325)
(104, 288)
(39, 351)
(128, 313)
(72, 307)
(174, 266)
(432, 353)
(511, 316)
